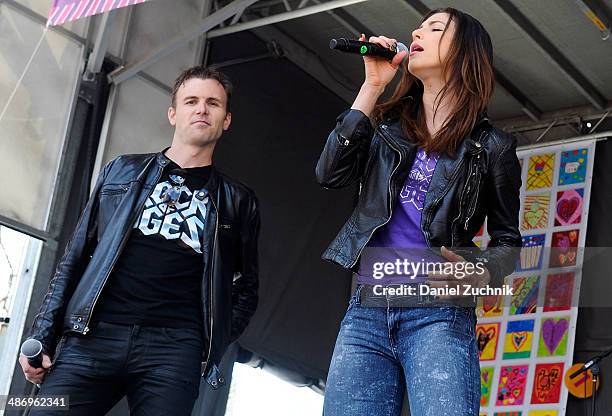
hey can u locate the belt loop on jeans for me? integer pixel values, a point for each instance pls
(358, 294)
(425, 299)
(422, 298)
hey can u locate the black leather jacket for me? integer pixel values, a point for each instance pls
(483, 180)
(229, 282)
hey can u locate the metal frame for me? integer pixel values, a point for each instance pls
(234, 9)
(112, 102)
(202, 42)
(308, 61)
(605, 135)
(126, 72)
(24, 228)
(554, 55)
(572, 115)
(275, 52)
(597, 14)
(282, 17)
(601, 119)
(96, 57)
(338, 14)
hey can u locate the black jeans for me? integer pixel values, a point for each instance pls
(157, 368)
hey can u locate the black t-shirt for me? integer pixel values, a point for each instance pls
(158, 276)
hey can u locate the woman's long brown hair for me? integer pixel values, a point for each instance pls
(468, 70)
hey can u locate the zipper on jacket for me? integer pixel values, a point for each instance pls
(115, 191)
(428, 217)
(122, 244)
(473, 201)
(464, 191)
(383, 129)
(212, 265)
(470, 211)
(435, 203)
(471, 208)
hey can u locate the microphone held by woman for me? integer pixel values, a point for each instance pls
(367, 48)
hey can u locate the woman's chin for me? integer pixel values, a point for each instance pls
(423, 71)
(416, 69)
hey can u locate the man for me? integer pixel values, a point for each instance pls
(160, 275)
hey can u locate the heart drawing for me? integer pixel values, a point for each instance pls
(569, 207)
(553, 332)
(518, 339)
(536, 211)
(484, 336)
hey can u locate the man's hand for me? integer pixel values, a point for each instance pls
(475, 277)
(34, 375)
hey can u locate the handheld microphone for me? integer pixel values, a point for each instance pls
(32, 350)
(367, 48)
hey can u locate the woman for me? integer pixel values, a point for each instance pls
(430, 168)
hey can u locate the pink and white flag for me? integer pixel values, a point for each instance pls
(64, 11)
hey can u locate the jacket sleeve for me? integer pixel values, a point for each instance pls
(246, 284)
(346, 150)
(503, 192)
(69, 269)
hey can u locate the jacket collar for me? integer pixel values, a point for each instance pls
(482, 118)
(213, 182)
(446, 166)
(162, 159)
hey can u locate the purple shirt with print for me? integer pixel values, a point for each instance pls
(403, 231)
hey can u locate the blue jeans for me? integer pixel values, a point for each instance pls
(382, 350)
(157, 368)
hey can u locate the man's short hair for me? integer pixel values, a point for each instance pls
(204, 72)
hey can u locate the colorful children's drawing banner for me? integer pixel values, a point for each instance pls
(526, 341)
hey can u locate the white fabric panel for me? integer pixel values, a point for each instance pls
(33, 128)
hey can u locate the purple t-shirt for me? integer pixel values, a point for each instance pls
(403, 231)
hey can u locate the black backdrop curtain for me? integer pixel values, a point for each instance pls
(594, 328)
(281, 119)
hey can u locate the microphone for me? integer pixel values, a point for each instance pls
(367, 48)
(32, 350)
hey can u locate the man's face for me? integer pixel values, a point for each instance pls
(200, 114)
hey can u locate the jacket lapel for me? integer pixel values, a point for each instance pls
(443, 174)
(447, 167)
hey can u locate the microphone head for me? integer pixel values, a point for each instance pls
(31, 348)
(401, 48)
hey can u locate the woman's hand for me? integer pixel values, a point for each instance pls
(476, 277)
(379, 71)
